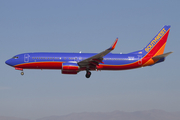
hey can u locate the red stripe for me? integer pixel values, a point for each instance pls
(41, 65)
(158, 45)
(155, 49)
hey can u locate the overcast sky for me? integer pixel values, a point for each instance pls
(89, 26)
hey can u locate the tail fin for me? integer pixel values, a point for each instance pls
(157, 44)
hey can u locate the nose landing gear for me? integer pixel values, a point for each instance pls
(88, 74)
(22, 73)
(21, 69)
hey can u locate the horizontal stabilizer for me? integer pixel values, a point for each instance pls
(161, 56)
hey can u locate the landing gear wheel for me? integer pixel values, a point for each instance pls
(88, 74)
(22, 73)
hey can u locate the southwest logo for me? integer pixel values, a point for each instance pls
(156, 39)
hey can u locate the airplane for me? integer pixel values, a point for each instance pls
(72, 63)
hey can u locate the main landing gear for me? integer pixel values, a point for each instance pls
(88, 74)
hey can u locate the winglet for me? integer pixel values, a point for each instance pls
(113, 45)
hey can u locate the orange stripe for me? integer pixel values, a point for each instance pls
(151, 61)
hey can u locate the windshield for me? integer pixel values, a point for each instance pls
(15, 57)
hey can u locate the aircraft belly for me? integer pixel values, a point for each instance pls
(41, 65)
(120, 67)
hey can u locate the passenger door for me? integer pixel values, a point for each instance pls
(26, 57)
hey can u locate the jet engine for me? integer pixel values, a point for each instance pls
(70, 68)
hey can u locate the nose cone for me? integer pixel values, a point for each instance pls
(9, 62)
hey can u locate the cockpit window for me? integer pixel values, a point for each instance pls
(15, 57)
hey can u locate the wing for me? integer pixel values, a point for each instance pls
(96, 59)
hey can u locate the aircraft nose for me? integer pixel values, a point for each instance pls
(8, 62)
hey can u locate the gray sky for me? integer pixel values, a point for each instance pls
(87, 26)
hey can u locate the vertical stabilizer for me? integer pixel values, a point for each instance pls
(158, 43)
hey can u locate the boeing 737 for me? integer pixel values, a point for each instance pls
(72, 63)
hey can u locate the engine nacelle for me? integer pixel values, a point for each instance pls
(70, 68)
